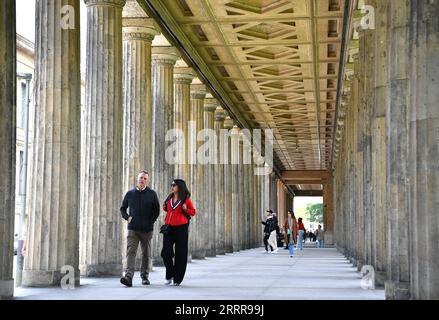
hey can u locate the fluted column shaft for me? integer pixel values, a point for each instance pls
(183, 77)
(219, 183)
(137, 106)
(210, 106)
(163, 61)
(424, 150)
(102, 169)
(8, 143)
(248, 195)
(228, 219)
(236, 203)
(53, 229)
(397, 152)
(198, 234)
(137, 98)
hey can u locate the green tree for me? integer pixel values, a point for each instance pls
(315, 212)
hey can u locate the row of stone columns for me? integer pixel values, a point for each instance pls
(134, 96)
(386, 199)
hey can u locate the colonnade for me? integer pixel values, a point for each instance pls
(134, 95)
(386, 176)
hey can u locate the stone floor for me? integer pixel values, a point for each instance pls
(312, 274)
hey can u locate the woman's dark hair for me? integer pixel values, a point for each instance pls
(292, 214)
(183, 191)
(300, 219)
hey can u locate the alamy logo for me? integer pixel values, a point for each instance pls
(367, 22)
(222, 148)
(68, 281)
(67, 17)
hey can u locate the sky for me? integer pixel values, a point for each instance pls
(25, 10)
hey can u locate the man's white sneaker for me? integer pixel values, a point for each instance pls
(275, 251)
(168, 282)
(265, 251)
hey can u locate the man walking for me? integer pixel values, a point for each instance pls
(319, 236)
(144, 209)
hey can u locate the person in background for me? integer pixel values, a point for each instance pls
(268, 228)
(301, 234)
(291, 227)
(319, 236)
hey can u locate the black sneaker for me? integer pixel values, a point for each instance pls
(127, 281)
(145, 281)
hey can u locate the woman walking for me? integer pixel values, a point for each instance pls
(302, 230)
(179, 209)
(291, 227)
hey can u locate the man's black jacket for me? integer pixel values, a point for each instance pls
(144, 209)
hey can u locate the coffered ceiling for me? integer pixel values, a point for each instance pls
(274, 62)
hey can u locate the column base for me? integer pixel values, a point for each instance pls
(47, 278)
(229, 250)
(199, 255)
(211, 253)
(220, 252)
(396, 290)
(102, 270)
(328, 238)
(380, 279)
(6, 289)
(158, 262)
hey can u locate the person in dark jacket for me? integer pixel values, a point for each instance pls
(179, 210)
(269, 227)
(144, 209)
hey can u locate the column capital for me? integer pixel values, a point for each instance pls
(198, 91)
(228, 123)
(184, 75)
(139, 29)
(220, 115)
(210, 104)
(165, 55)
(112, 3)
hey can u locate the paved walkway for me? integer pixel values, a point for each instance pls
(312, 274)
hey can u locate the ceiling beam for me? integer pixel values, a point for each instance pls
(305, 174)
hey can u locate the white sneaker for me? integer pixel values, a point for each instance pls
(275, 250)
(265, 251)
(168, 282)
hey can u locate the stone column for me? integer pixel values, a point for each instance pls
(247, 192)
(7, 142)
(198, 236)
(138, 34)
(424, 150)
(163, 61)
(53, 228)
(236, 207)
(328, 211)
(183, 77)
(228, 177)
(102, 167)
(210, 106)
(397, 153)
(219, 182)
(379, 193)
(272, 205)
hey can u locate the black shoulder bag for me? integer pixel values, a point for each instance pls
(166, 227)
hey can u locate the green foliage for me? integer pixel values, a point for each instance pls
(315, 212)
